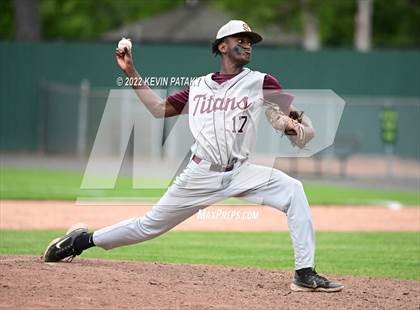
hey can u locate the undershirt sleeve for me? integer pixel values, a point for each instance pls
(270, 82)
(179, 100)
(272, 91)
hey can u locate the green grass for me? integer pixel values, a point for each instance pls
(59, 185)
(64, 185)
(385, 254)
(356, 196)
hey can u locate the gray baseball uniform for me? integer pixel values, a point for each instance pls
(223, 119)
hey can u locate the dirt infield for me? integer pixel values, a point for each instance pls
(27, 283)
(63, 214)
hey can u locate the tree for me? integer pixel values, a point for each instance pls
(27, 23)
(316, 20)
(7, 29)
(311, 37)
(395, 23)
(362, 38)
(87, 20)
(76, 19)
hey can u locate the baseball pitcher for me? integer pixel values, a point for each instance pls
(223, 110)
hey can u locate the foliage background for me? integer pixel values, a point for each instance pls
(395, 23)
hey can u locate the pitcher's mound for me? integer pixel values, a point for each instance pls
(27, 282)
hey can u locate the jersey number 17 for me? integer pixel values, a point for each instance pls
(238, 125)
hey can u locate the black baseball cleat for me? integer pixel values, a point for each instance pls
(63, 247)
(312, 282)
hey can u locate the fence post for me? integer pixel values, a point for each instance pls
(83, 117)
(42, 116)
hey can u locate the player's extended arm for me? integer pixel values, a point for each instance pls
(156, 105)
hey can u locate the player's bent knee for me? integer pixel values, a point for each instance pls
(296, 186)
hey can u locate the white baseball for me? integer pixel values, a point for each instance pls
(124, 43)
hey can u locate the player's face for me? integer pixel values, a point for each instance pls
(239, 49)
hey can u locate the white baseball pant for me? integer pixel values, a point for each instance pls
(197, 187)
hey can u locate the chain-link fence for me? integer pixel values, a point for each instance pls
(69, 117)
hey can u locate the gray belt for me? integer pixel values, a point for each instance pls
(216, 167)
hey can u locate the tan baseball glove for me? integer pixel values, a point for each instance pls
(291, 125)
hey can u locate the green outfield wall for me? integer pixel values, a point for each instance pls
(374, 77)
